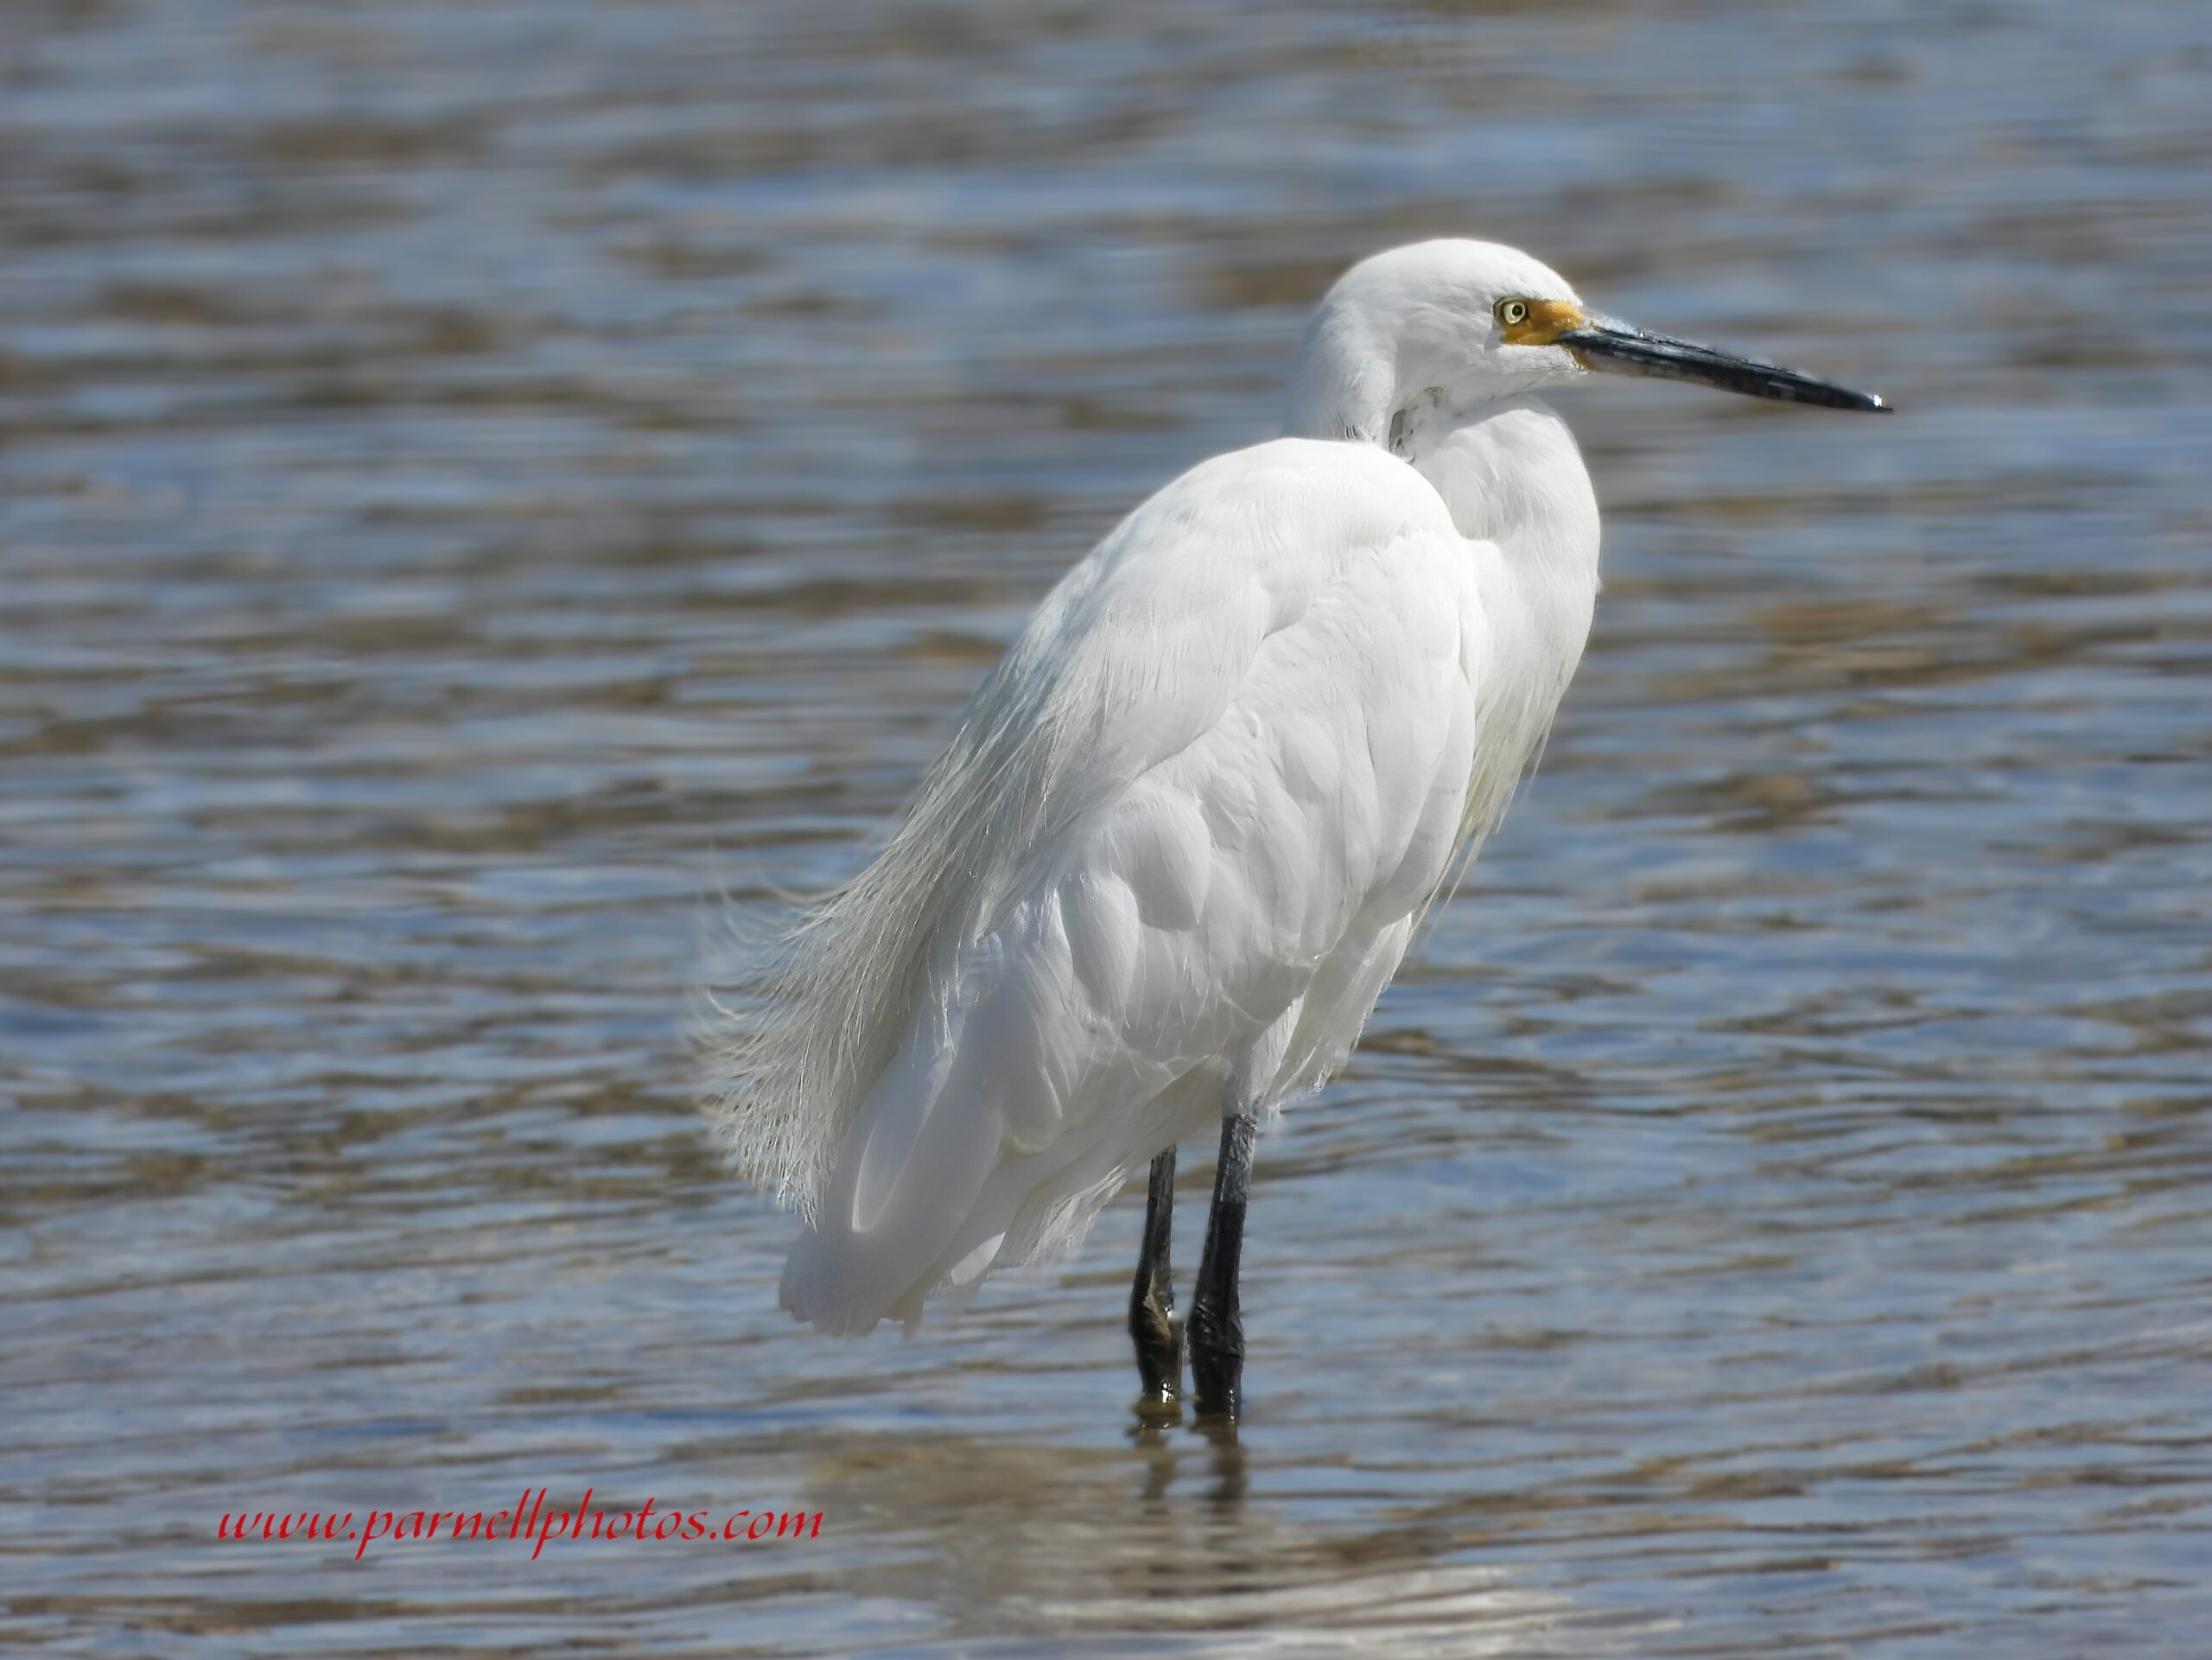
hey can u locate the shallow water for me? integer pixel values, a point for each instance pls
(474, 479)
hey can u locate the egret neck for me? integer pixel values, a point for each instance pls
(1511, 475)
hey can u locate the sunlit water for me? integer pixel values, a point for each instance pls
(474, 479)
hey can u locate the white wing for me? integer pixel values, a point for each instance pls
(1166, 867)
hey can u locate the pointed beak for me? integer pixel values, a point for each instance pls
(1613, 348)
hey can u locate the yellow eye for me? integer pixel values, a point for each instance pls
(1510, 312)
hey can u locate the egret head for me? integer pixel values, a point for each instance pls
(1467, 323)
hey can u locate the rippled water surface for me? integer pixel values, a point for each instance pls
(474, 478)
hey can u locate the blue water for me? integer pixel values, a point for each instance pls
(474, 479)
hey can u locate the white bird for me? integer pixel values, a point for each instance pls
(1185, 829)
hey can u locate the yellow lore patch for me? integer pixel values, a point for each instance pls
(1546, 321)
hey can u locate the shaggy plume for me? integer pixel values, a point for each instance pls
(823, 1009)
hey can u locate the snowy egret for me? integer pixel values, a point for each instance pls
(1178, 846)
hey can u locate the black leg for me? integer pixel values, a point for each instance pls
(1151, 1300)
(1217, 1329)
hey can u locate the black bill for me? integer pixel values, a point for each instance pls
(1619, 349)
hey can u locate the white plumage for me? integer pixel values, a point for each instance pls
(1178, 845)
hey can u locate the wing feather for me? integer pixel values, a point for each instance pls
(1231, 740)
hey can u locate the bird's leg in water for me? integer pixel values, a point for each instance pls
(1151, 1300)
(1216, 1330)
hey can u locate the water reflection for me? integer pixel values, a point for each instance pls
(1164, 1539)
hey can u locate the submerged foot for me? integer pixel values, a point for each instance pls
(1216, 1361)
(1159, 1339)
